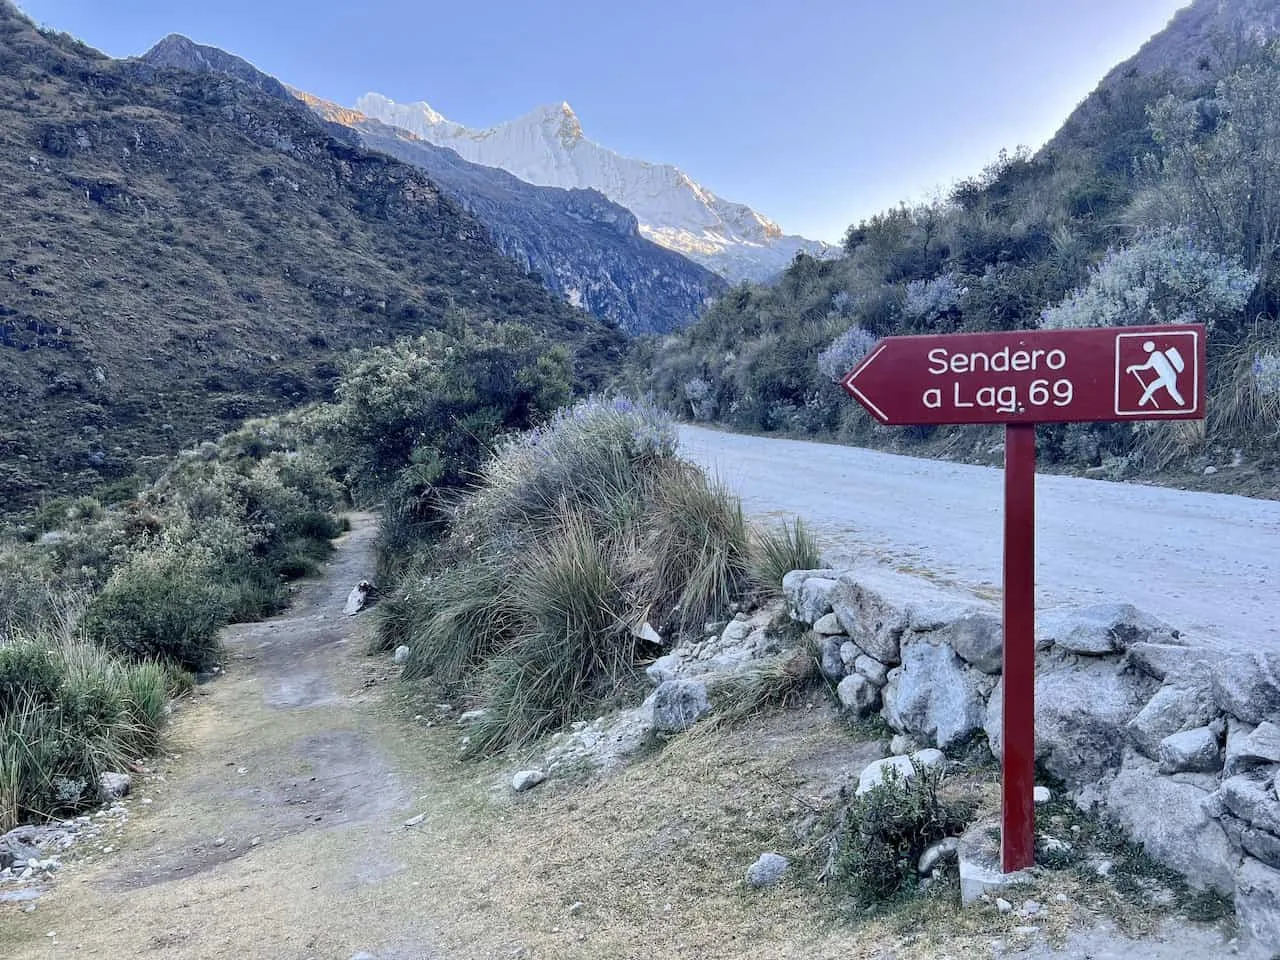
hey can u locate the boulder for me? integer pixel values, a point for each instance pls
(1196, 751)
(1237, 759)
(1162, 660)
(647, 633)
(872, 669)
(871, 622)
(1261, 745)
(808, 593)
(829, 660)
(527, 780)
(1245, 686)
(663, 669)
(1257, 843)
(1101, 629)
(768, 870)
(874, 773)
(679, 704)
(978, 638)
(857, 695)
(934, 696)
(401, 656)
(113, 786)
(1257, 897)
(901, 744)
(1247, 796)
(849, 654)
(13, 850)
(735, 632)
(1181, 704)
(1082, 710)
(1170, 820)
(828, 625)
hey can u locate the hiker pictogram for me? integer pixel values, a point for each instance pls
(1156, 373)
(1167, 364)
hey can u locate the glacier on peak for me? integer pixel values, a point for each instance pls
(547, 147)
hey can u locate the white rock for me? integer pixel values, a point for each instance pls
(113, 786)
(1100, 629)
(767, 870)
(414, 821)
(1170, 821)
(828, 625)
(874, 773)
(527, 779)
(357, 598)
(1041, 795)
(857, 695)
(678, 704)
(940, 852)
(1257, 900)
(934, 695)
(1003, 905)
(401, 654)
(646, 633)
(1195, 750)
(663, 669)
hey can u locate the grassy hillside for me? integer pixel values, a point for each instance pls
(180, 251)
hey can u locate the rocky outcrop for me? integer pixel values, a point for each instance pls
(1179, 745)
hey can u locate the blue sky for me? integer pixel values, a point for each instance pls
(815, 112)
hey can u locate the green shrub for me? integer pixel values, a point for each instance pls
(162, 604)
(28, 670)
(887, 829)
(778, 551)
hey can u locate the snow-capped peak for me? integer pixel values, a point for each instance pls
(548, 147)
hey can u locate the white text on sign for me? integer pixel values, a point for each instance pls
(1057, 392)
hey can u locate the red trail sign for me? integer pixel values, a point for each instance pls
(1035, 376)
(1021, 378)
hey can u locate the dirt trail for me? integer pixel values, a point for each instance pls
(276, 829)
(283, 811)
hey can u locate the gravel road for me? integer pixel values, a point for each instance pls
(1209, 564)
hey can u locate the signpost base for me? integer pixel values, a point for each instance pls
(1017, 813)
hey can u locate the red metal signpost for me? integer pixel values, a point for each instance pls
(1021, 378)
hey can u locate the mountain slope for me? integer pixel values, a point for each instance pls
(586, 248)
(1202, 42)
(180, 250)
(548, 147)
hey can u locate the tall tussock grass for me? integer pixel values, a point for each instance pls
(778, 550)
(577, 534)
(70, 711)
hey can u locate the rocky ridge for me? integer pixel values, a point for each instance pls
(548, 147)
(586, 248)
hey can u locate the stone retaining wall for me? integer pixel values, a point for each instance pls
(1177, 743)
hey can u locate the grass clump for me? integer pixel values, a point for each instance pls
(882, 834)
(578, 533)
(70, 711)
(779, 550)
